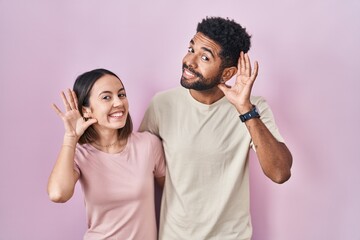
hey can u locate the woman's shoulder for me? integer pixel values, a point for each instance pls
(145, 137)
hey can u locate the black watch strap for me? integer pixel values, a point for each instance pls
(253, 113)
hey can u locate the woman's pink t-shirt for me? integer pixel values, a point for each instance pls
(119, 188)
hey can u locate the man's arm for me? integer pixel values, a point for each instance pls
(274, 157)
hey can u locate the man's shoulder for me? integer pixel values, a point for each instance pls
(145, 137)
(259, 101)
(169, 94)
(256, 99)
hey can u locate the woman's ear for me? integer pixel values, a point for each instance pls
(228, 73)
(86, 112)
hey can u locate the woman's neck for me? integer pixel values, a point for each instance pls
(109, 142)
(115, 147)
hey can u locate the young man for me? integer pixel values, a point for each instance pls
(207, 129)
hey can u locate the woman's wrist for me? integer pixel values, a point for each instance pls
(70, 140)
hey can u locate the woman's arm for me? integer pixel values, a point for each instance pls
(63, 177)
(160, 181)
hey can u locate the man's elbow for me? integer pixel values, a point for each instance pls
(283, 173)
(281, 177)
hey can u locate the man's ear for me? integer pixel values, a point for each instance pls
(86, 112)
(228, 73)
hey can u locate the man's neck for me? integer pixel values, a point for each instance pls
(207, 96)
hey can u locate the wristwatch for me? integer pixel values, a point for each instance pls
(253, 113)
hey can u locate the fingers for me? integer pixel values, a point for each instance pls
(89, 122)
(65, 101)
(71, 99)
(241, 64)
(75, 100)
(70, 102)
(256, 70)
(223, 87)
(56, 109)
(244, 66)
(247, 64)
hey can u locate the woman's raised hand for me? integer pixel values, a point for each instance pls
(75, 125)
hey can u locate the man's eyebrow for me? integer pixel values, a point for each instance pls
(208, 50)
(203, 48)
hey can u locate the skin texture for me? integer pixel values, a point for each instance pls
(203, 68)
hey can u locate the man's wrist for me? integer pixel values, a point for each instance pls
(244, 108)
(253, 113)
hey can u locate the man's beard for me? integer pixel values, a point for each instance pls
(202, 83)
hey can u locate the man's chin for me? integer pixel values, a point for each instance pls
(188, 85)
(185, 83)
(197, 85)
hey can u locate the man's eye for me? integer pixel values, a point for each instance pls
(205, 58)
(190, 49)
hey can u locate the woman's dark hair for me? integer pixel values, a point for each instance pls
(231, 37)
(82, 88)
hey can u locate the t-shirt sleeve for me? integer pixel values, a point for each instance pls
(158, 156)
(150, 120)
(267, 118)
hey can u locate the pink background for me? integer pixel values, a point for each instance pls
(308, 53)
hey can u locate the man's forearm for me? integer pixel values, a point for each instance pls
(274, 157)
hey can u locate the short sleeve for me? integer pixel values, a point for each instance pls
(150, 121)
(158, 156)
(267, 118)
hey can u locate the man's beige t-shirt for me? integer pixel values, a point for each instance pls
(206, 194)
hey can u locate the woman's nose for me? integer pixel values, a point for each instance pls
(118, 102)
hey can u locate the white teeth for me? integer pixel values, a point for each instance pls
(119, 114)
(187, 72)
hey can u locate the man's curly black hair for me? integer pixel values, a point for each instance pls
(231, 37)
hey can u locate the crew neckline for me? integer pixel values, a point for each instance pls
(203, 105)
(114, 154)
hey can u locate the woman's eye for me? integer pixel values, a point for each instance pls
(190, 49)
(122, 95)
(106, 97)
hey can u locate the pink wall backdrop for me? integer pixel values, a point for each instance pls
(309, 72)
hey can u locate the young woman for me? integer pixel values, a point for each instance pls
(116, 167)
